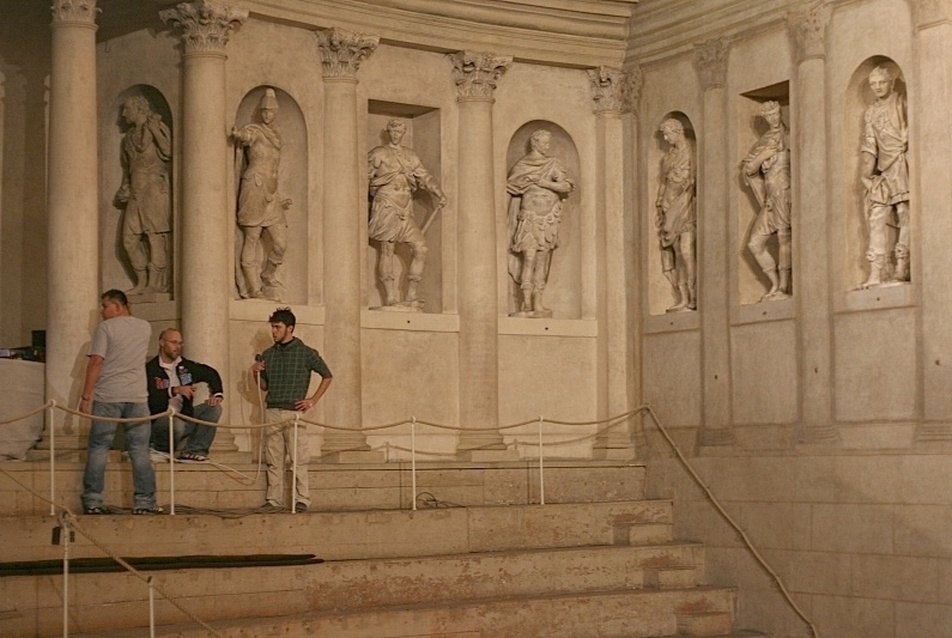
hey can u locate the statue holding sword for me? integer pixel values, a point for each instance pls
(395, 173)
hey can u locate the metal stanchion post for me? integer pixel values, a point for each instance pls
(541, 466)
(172, 461)
(64, 531)
(52, 409)
(413, 460)
(151, 608)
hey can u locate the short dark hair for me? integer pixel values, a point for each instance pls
(116, 295)
(282, 315)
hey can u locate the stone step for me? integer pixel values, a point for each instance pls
(345, 586)
(240, 484)
(341, 535)
(607, 614)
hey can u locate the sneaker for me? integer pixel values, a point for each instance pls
(191, 457)
(300, 507)
(271, 508)
(148, 511)
(93, 511)
(158, 457)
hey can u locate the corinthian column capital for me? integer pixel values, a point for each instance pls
(342, 51)
(475, 73)
(206, 25)
(807, 28)
(74, 11)
(608, 88)
(710, 62)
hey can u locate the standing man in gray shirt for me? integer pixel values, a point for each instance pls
(115, 387)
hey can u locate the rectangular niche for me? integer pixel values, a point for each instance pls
(423, 136)
(751, 281)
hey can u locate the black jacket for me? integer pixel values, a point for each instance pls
(160, 385)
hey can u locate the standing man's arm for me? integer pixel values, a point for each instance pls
(93, 368)
(306, 404)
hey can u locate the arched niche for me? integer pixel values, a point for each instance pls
(423, 137)
(752, 282)
(117, 269)
(858, 96)
(292, 184)
(563, 290)
(661, 292)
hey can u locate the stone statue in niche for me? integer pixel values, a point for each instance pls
(146, 196)
(766, 171)
(885, 176)
(395, 172)
(676, 216)
(537, 186)
(261, 210)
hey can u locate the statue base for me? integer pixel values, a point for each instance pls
(533, 314)
(402, 306)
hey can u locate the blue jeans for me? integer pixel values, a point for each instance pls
(190, 437)
(101, 436)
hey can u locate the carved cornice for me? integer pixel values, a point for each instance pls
(342, 51)
(206, 26)
(573, 33)
(74, 11)
(608, 88)
(475, 72)
(928, 13)
(710, 62)
(807, 29)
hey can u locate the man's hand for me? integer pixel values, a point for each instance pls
(85, 406)
(304, 405)
(184, 391)
(257, 367)
(214, 400)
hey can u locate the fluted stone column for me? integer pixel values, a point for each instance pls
(205, 218)
(608, 93)
(811, 224)
(341, 54)
(710, 62)
(932, 147)
(476, 74)
(72, 206)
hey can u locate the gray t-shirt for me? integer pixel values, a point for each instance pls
(123, 343)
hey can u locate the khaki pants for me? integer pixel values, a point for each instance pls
(279, 444)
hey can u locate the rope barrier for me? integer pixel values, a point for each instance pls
(413, 421)
(68, 521)
(727, 517)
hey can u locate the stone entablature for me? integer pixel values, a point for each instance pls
(583, 33)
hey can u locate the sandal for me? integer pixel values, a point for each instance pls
(191, 457)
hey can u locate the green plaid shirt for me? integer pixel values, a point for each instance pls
(287, 370)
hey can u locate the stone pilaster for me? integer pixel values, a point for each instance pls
(475, 75)
(72, 207)
(710, 63)
(341, 54)
(931, 145)
(609, 87)
(205, 29)
(811, 223)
